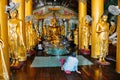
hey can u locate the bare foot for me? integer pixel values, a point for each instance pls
(78, 72)
(16, 63)
(13, 63)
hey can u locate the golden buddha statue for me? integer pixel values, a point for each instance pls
(112, 28)
(45, 33)
(113, 33)
(103, 32)
(90, 35)
(62, 30)
(15, 39)
(85, 34)
(54, 31)
(76, 36)
(29, 33)
(35, 37)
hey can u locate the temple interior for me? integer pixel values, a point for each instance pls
(42, 32)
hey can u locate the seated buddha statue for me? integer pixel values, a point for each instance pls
(54, 31)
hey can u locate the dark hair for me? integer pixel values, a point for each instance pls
(40, 42)
(73, 54)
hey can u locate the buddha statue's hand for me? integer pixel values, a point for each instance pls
(21, 42)
(1, 43)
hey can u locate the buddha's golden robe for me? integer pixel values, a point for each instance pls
(103, 33)
(15, 39)
(29, 35)
(85, 34)
(76, 36)
(54, 32)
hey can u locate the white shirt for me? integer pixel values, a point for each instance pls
(40, 47)
(71, 64)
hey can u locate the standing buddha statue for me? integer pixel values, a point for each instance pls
(15, 39)
(103, 32)
(76, 36)
(29, 33)
(85, 34)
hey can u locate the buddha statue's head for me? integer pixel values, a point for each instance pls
(85, 21)
(104, 17)
(13, 13)
(54, 22)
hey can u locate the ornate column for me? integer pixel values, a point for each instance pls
(28, 7)
(97, 11)
(118, 43)
(21, 15)
(28, 24)
(4, 64)
(82, 12)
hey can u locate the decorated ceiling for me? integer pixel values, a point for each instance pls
(64, 9)
(59, 11)
(71, 4)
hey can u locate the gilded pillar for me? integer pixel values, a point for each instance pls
(97, 11)
(118, 43)
(21, 16)
(28, 7)
(4, 56)
(82, 12)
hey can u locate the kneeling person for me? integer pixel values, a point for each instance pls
(71, 64)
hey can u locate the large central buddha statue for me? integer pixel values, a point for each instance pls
(54, 31)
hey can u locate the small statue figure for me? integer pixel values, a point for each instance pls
(29, 33)
(76, 36)
(113, 33)
(112, 28)
(62, 30)
(85, 33)
(44, 33)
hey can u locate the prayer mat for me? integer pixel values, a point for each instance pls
(54, 61)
